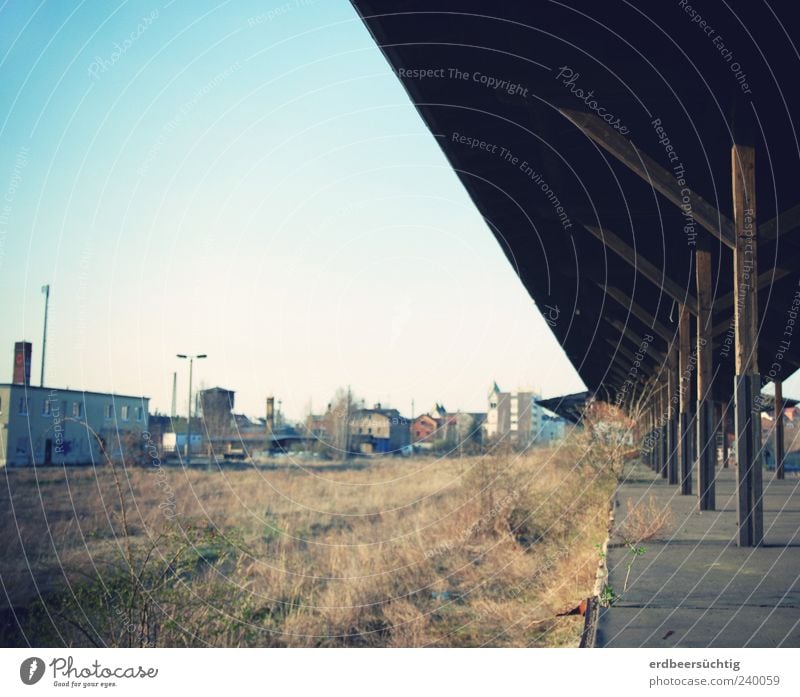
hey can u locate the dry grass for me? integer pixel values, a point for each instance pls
(644, 520)
(473, 552)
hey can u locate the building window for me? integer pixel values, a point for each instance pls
(369, 430)
(77, 410)
(47, 408)
(109, 411)
(23, 406)
(123, 412)
(139, 414)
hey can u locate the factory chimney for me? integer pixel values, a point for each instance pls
(22, 362)
(270, 415)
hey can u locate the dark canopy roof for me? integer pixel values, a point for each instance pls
(569, 407)
(518, 89)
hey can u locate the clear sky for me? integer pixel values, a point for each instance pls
(250, 181)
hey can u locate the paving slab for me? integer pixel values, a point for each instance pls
(693, 586)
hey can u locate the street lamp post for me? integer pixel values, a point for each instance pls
(189, 418)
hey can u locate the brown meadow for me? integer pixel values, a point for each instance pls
(481, 551)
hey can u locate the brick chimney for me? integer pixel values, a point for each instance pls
(22, 362)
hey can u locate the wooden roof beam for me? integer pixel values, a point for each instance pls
(636, 339)
(639, 312)
(641, 265)
(765, 279)
(631, 357)
(781, 224)
(706, 215)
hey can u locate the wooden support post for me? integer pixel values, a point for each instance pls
(648, 427)
(663, 428)
(654, 434)
(747, 384)
(726, 415)
(685, 381)
(672, 413)
(655, 439)
(779, 445)
(651, 410)
(651, 433)
(706, 431)
(656, 396)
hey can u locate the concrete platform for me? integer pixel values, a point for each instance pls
(693, 587)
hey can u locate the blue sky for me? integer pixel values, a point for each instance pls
(249, 181)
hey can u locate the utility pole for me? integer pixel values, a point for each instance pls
(347, 426)
(189, 417)
(46, 291)
(174, 409)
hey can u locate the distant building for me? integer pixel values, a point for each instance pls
(379, 430)
(158, 425)
(174, 443)
(517, 418)
(478, 425)
(553, 429)
(445, 429)
(216, 407)
(791, 439)
(46, 425)
(424, 429)
(317, 426)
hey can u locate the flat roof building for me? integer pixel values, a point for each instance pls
(49, 425)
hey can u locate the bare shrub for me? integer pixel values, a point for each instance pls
(609, 431)
(644, 520)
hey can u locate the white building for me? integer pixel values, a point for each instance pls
(45, 425)
(514, 416)
(519, 419)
